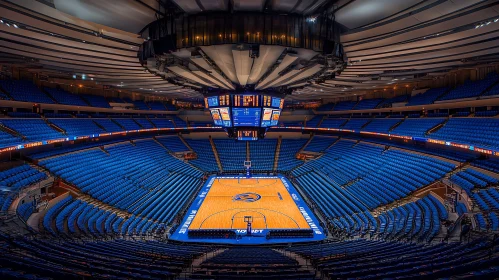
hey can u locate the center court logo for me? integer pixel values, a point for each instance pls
(247, 197)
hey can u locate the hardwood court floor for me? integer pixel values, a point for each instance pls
(266, 200)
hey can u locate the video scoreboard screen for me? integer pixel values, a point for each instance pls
(246, 116)
(221, 117)
(245, 110)
(270, 117)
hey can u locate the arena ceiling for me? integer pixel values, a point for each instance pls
(387, 42)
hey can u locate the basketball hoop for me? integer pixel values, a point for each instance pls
(247, 164)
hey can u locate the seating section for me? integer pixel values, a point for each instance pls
(465, 131)
(355, 124)
(78, 127)
(170, 107)
(108, 125)
(156, 105)
(491, 164)
(351, 178)
(492, 92)
(14, 179)
(326, 107)
(206, 159)
(25, 210)
(128, 124)
(232, 154)
(8, 140)
(117, 259)
(363, 259)
(416, 127)
(319, 143)
(251, 263)
(344, 106)
(428, 97)
(96, 101)
(486, 199)
(144, 123)
(381, 125)
(366, 104)
(32, 129)
(397, 99)
(25, 91)
(173, 144)
(162, 122)
(140, 105)
(314, 121)
(262, 154)
(142, 179)
(76, 217)
(472, 88)
(418, 220)
(333, 123)
(289, 148)
(63, 97)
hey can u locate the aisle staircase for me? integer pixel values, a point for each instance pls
(215, 153)
(185, 143)
(277, 152)
(248, 158)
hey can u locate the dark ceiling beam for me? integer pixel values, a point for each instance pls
(324, 7)
(266, 5)
(200, 5)
(151, 8)
(298, 2)
(168, 5)
(343, 6)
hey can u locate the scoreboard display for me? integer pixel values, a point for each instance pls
(247, 135)
(245, 110)
(246, 116)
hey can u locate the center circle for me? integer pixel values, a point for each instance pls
(247, 197)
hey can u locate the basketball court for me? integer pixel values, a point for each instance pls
(238, 203)
(266, 201)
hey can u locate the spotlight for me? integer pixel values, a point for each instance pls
(311, 19)
(74, 76)
(15, 25)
